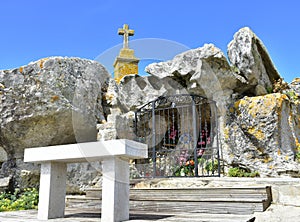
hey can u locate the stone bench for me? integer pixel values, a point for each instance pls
(114, 154)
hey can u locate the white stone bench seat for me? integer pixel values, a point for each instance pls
(115, 156)
(86, 152)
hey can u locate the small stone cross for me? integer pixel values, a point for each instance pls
(126, 32)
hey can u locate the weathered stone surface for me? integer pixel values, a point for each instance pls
(29, 178)
(3, 155)
(278, 212)
(135, 91)
(206, 70)
(294, 95)
(258, 135)
(5, 184)
(107, 131)
(247, 52)
(203, 71)
(51, 101)
(120, 100)
(125, 125)
(295, 86)
(81, 176)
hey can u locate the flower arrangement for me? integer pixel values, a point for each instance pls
(205, 167)
(178, 157)
(204, 138)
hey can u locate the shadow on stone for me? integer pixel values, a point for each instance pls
(148, 216)
(83, 215)
(131, 216)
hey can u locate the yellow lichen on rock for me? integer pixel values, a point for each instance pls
(124, 67)
(54, 98)
(257, 133)
(226, 133)
(41, 62)
(267, 159)
(262, 122)
(260, 105)
(297, 143)
(108, 96)
(278, 152)
(237, 104)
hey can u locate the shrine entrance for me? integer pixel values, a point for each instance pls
(182, 136)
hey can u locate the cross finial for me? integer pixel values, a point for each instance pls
(126, 32)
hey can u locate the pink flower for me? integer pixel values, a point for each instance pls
(201, 152)
(173, 133)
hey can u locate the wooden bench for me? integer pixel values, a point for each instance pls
(114, 154)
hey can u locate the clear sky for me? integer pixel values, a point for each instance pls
(33, 29)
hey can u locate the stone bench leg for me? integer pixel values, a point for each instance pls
(52, 190)
(115, 190)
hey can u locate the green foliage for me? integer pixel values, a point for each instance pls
(238, 172)
(187, 169)
(19, 200)
(292, 95)
(212, 166)
(235, 69)
(269, 89)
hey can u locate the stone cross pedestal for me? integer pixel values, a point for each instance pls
(125, 63)
(114, 154)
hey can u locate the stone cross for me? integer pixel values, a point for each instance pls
(126, 32)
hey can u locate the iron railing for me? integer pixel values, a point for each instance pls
(182, 136)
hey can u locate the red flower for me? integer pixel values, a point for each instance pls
(190, 163)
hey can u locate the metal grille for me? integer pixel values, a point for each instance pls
(182, 136)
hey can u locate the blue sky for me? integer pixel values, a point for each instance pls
(33, 29)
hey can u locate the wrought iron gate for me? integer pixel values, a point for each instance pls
(182, 136)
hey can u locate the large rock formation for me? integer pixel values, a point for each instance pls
(63, 100)
(52, 101)
(259, 131)
(202, 71)
(206, 70)
(258, 135)
(247, 52)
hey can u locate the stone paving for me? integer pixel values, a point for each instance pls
(275, 213)
(285, 192)
(85, 215)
